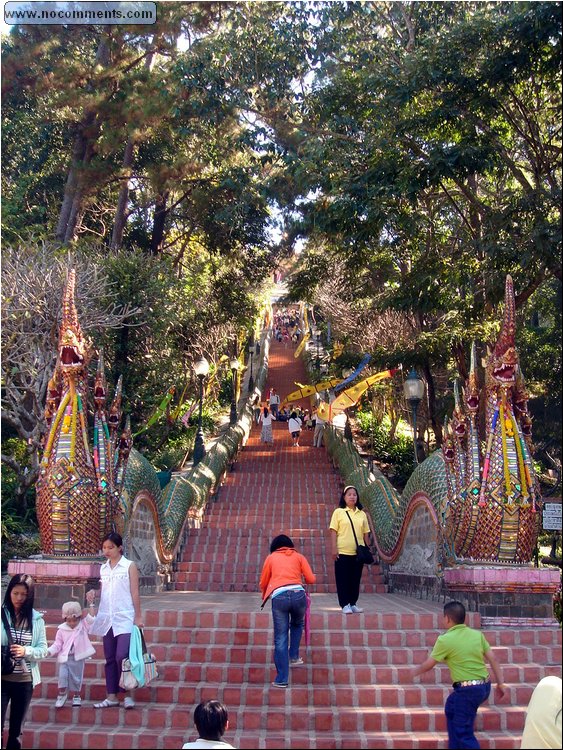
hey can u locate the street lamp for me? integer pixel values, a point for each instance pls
(413, 388)
(251, 378)
(235, 364)
(317, 335)
(201, 369)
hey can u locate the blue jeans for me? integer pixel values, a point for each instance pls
(288, 613)
(461, 710)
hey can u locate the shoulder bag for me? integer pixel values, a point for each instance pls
(139, 668)
(363, 553)
(8, 661)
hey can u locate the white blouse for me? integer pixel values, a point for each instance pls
(116, 608)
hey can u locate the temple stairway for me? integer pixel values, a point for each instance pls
(212, 640)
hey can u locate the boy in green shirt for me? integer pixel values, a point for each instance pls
(465, 651)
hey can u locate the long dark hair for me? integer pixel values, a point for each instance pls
(282, 540)
(266, 411)
(342, 502)
(26, 611)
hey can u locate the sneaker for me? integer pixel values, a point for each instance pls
(61, 700)
(356, 610)
(77, 700)
(128, 702)
(347, 610)
(279, 684)
(296, 662)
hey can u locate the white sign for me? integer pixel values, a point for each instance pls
(552, 517)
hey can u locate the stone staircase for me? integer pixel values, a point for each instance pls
(212, 641)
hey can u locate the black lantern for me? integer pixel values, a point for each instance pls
(413, 388)
(251, 378)
(235, 364)
(201, 369)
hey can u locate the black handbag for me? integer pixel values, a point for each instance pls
(8, 661)
(363, 553)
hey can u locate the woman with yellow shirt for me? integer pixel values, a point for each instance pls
(347, 569)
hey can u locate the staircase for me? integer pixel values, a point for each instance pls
(212, 640)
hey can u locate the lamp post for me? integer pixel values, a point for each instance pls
(201, 369)
(235, 364)
(317, 334)
(251, 378)
(413, 388)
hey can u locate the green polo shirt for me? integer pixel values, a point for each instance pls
(462, 649)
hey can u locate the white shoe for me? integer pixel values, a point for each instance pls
(356, 610)
(128, 702)
(347, 610)
(61, 700)
(77, 700)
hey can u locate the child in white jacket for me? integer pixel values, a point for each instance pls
(73, 647)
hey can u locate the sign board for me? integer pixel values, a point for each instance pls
(552, 516)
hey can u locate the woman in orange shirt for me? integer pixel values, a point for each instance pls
(282, 580)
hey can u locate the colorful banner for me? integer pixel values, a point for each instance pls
(355, 374)
(308, 390)
(351, 396)
(302, 343)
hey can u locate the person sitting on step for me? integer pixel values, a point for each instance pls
(211, 720)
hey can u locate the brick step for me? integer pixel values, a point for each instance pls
(299, 718)
(507, 652)
(205, 585)
(48, 737)
(168, 692)
(322, 674)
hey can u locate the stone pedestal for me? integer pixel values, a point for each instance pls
(59, 579)
(511, 596)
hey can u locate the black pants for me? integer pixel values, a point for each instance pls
(18, 694)
(348, 574)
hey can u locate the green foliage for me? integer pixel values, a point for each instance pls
(398, 453)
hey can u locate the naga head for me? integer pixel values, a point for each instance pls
(471, 391)
(448, 448)
(100, 383)
(74, 347)
(114, 416)
(459, 420)
(502, 364)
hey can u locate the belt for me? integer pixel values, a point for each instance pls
(469, 683)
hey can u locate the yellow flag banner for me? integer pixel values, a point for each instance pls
(308, 390)
(302, 343)
(350, 396)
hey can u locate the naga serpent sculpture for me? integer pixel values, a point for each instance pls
(78, 488)
(480, 489)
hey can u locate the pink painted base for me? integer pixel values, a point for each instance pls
(525, 580)
(59, 579)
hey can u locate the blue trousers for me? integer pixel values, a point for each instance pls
(288, 613)
(461, 710)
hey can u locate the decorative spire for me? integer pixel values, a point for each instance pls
(505, 339)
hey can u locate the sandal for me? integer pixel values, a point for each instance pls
(106, 704)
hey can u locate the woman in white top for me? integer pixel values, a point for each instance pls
(267, 435)
(119, 610)
(294, 425)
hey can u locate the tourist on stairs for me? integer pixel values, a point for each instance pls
(347, 569)
(119, 610)
(282, 580)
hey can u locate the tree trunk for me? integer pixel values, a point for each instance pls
(431, 400)
(123, 198)
(157, 239)
(87, 135)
